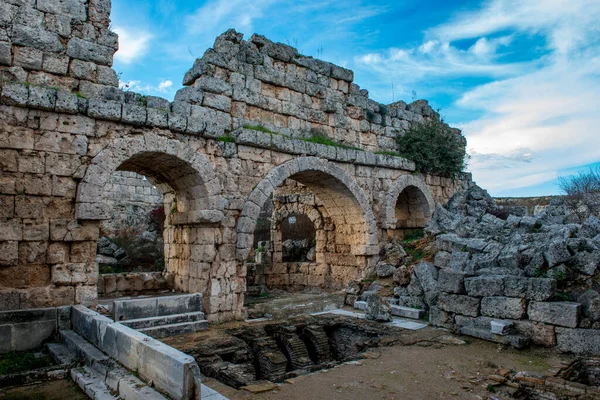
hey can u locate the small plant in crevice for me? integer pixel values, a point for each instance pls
(258, 128)
(225, 139)
(317, 136)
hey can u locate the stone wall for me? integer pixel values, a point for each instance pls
(64, 132)
(517, 280)
(22, 330)
(130, 197)
(133, 284)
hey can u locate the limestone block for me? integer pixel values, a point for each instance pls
(503, 307)
(88, 51)
(36, 37)
(555, 313)
(102, 109)
(57, 253)
(107, 76)
(464, 305)
(15, 94)
(427, 275)
(134, 114)
(485, 286)
(9, 252)
(538, 289)
(557, 253)
(177, 122)
(157, 117)
(451, 282)
(66, 230)
(578, 341)
(35, 230)
(66, 102)
(11, 230)
(442, 259)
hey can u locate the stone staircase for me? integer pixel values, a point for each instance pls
(99, 376)
(163, 316)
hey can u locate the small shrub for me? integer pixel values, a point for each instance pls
(582, 192)
(435, 149)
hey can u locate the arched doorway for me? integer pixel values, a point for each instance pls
(344, 210)
(408, 205)
(191, 198)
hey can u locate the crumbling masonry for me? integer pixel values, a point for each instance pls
(65, 127)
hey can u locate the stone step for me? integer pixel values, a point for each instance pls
(407, 312)
(162, 331)
(360, 305)
(91, 384)
(516, 341)
(162, 320)
(148, 307)
(60, 353)
(81, 348)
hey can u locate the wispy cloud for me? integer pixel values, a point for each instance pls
(164, 87)
(133, 44)
(538, 114)
(222, 14)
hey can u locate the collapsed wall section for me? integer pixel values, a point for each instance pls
(257, 81)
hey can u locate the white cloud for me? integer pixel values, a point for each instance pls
(133, 44)
(164, 86)
(217, 15)
(538, 116)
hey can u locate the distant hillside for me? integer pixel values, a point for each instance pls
(533, 205)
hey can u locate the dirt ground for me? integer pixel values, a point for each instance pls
(426, 364)
(64, 389)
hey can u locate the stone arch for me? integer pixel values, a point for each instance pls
(418, 193)
(171, 165)
(344, 200)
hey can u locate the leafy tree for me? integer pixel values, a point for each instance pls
(435, 148)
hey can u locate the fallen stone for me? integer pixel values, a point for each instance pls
(501, 327)
(378, 309)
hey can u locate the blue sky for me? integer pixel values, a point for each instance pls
(521, 78)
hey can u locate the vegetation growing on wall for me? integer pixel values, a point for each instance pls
(435, 148)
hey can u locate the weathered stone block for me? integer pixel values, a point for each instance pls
(451, 281)
(503, 307)
(578, 341)
(485, 286)
(102, 109)
(464, 305)
(427, 274)
(88, 51)
(538, 289)
(9, 253)
(555, 313)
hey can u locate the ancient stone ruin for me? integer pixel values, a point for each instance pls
(270, 171)
(233, 139)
